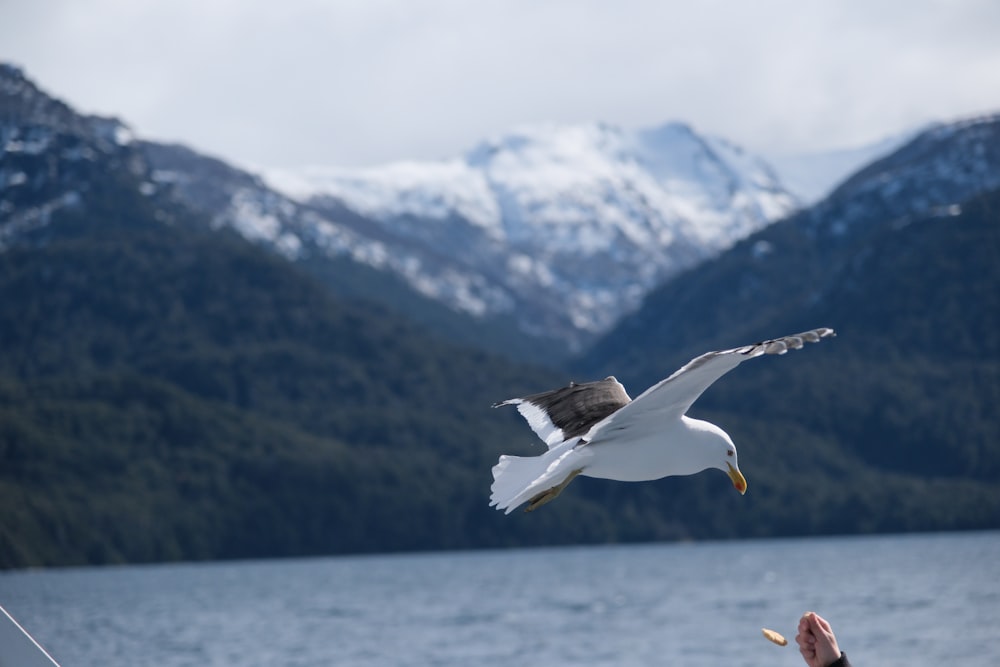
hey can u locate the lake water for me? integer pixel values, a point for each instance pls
(892, 600)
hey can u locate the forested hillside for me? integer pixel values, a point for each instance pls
(170, 392)
(895, 418)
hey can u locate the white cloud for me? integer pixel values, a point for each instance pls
(344, 82)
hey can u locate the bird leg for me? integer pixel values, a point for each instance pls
(550, 494)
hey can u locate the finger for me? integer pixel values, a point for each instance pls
(804, 622)
(806, 636)
(822, 624)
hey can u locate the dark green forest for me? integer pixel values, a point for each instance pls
(171, 391)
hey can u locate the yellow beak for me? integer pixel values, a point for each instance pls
(739, 483)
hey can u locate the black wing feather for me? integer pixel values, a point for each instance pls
(578, 406)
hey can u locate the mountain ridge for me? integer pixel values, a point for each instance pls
(557, 211)
(814, 175)
(551, 234)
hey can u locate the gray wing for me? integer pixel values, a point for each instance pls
(560, 414)
(671, 398)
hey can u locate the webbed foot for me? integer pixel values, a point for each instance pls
(550, 494)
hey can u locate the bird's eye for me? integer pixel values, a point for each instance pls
(729, 453)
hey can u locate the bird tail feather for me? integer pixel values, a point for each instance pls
(517, 479)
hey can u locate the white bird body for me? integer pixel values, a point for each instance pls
(595, 430)
(643, 456)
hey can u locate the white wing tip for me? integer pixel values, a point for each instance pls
(795, 341)
(775, 347)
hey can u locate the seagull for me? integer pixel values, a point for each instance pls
(594, 429)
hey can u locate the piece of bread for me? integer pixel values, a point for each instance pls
(774, 637)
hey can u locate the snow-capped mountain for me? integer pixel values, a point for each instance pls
(554, 230)
(897, 222)
(562, 227)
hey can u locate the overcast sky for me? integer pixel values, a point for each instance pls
(287, 83)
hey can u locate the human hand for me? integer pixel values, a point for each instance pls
(816, 641)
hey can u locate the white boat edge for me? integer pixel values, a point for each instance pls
(18, 648)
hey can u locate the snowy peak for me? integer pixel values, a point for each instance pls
(730, 177)
(575, 222)
(648, 185)
(674, 152)
(431, 190)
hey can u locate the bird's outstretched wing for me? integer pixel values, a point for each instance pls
(671, 398)
(560, 414)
